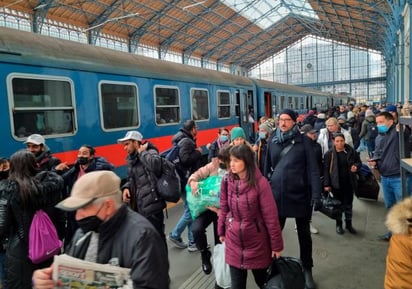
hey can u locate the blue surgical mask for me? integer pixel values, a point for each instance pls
(262, 135)
(382, 128)
(223, 138)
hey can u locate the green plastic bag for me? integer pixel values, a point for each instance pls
(208, 195)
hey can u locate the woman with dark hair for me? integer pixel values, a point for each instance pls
(223, 139)
(248, 220)
(341, 163)
(27, 192)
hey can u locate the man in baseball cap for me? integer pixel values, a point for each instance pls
(125, 236)
(36, 144)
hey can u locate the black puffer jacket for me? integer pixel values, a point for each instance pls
(128, 240)
(18, 220)
(97, 164)
(144, 198)
(46, 162)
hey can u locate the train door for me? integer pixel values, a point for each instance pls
(247, 112)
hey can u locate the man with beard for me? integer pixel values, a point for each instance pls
(36, 144)
(86, 162)
(139, 191)
(293, 172)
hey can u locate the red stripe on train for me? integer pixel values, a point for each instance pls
(115, 153)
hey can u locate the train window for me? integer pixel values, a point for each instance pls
(200, 104)
(223, 104)
(167, 105)
(43, 106)
(119, 105)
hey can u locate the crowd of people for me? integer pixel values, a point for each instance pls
(281, 175)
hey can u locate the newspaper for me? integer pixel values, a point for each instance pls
(79, 274)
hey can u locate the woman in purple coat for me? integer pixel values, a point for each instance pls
(248, 220)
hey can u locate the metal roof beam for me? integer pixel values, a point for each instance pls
(245, 28)
(189, 50)
(165, 45)
(40, 12)
(134, 38)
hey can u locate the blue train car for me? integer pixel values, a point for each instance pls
(73, 94)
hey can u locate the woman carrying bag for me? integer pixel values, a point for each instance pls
(341, 163)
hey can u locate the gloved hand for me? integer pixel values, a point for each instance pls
(316, 204)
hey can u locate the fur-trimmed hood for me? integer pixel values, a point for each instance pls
(399, 218)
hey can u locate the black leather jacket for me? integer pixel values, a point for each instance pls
(129, 240)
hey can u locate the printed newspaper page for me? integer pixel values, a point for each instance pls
(79, 274)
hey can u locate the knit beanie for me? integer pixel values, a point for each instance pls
(369, 112)
(289, 112)
(237, 132)
(267, 126)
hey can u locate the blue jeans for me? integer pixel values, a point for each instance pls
(184, 221)
(392, 189)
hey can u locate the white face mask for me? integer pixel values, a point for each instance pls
(262, 135)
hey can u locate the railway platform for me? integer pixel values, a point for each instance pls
(340, 261)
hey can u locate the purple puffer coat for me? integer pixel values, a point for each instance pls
(249, 221)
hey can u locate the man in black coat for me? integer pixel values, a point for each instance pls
(294, 176)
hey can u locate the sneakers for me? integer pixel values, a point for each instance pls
(192, 247)
(313, 230)
(178, 242)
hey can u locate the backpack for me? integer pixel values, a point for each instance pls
(172, 155)
(44, 242)
(168, 184)
(372, 130)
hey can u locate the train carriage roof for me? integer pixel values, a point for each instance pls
(231, 32)
(19, 46)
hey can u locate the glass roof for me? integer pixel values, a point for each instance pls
(265, 13)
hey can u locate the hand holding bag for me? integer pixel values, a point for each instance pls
(285, 273)
(222, 270)
(330, 206)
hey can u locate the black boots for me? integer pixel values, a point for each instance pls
(350, 228)
(309, 283)
(339, 228)
(206, 264)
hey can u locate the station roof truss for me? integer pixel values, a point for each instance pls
(231, 32)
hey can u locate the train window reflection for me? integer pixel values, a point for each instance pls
(43, 106)
(167, 105)
(119, 105)
(237, 104)
(200, 104)
(223, 105)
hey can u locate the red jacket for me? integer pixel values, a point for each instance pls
(249, 221)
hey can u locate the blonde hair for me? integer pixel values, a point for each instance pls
(332, 120)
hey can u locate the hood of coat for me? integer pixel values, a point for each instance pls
(399, 218)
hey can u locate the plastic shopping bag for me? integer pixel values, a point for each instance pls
(222, 271)
(207, 196)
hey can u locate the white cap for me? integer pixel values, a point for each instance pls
(35, 139)
(131, 135)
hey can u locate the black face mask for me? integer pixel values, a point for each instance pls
(222, 166)
(83, 160)
(91, 223)
(4, 175)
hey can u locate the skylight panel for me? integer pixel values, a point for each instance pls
(265, 13)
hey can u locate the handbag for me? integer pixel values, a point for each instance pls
(330, 206)
(285, 273)
(222, 270)
(44, 242)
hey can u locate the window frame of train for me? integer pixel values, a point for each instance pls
(221, 105)
(194, 107)
(166, 101)
(125, 100)
(47, 102)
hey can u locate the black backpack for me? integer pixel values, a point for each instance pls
(372, 130)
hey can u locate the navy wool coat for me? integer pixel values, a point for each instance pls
(295, 178)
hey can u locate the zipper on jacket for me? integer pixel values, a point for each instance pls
(240, 226)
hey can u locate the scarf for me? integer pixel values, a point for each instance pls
(283, 137)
